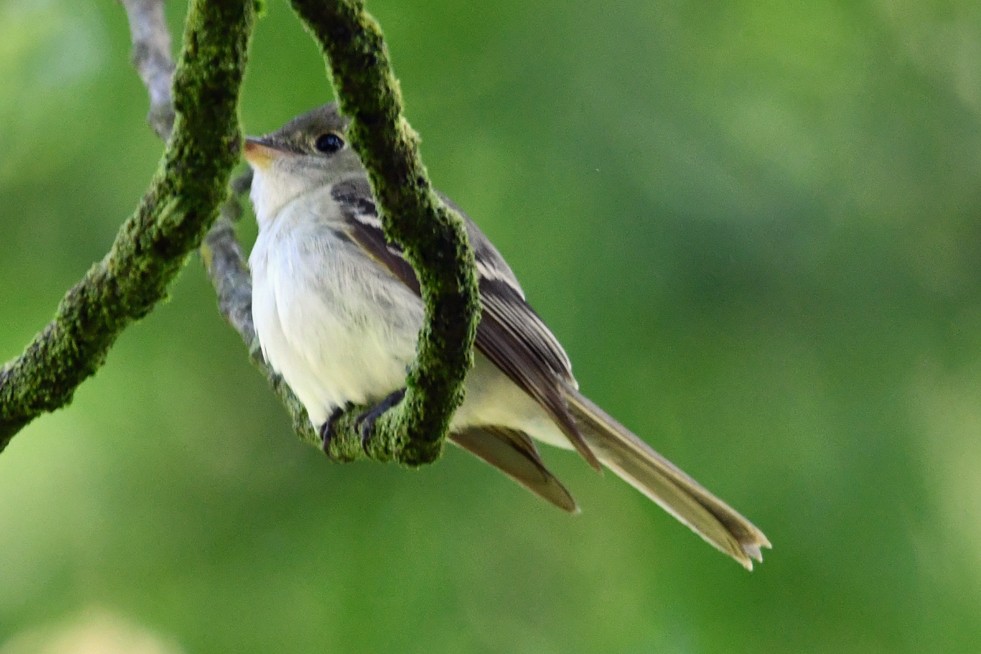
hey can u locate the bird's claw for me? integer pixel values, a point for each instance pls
(327, 430)
(366, 421)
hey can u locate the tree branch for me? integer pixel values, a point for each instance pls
(220, 252)
(153, 243)
(151, 57)
(431, 235)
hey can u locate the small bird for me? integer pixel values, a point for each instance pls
(337, 311)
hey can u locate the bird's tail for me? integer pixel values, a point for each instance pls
(660, 480)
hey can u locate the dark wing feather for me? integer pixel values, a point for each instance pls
(515, 454)
(510, 333)
(364, 228)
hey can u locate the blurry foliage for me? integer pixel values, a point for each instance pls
(754, 226)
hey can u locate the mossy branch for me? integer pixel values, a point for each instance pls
(153, 244)
(181, 203)
(431, 235)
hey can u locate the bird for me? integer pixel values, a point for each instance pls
(337, 312)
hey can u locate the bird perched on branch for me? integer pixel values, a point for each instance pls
(337, 312)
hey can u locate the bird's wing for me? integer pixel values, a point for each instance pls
(510, 333)
(514, 453)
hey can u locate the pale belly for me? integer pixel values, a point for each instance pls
(337, 332)
(340, 331)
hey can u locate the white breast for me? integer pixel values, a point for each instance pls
(337, 326)
(340, 328)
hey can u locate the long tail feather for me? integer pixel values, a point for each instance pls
(663, 482)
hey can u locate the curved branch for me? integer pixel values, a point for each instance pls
(431, 235)
(154, 242)
(220, 251)
(151, 57)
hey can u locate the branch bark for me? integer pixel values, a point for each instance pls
(220, 252)
(181, 203)
(151, 57)
(154, 242)
(431, 235)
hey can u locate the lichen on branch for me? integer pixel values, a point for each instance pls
(152, 245)
(431, 235)
(183, 199)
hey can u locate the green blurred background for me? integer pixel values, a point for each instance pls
(762, 227)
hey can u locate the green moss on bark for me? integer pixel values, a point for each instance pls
(432, 236)
(182, 202)
(153, 243)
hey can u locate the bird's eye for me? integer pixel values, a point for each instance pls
(328, 143)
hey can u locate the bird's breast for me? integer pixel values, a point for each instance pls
(337, 326)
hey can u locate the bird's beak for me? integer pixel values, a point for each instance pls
(260, 153)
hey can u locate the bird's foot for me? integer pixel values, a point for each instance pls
(366, 421)
(327, 430)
